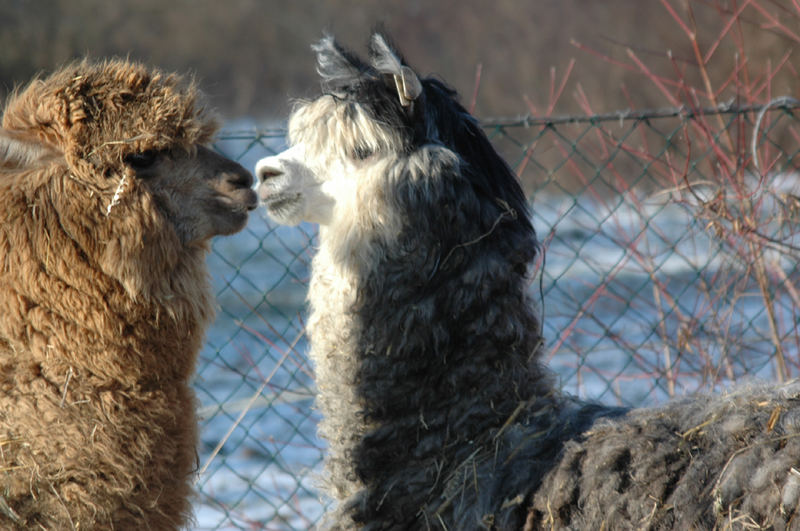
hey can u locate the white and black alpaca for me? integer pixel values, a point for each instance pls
(436, 405)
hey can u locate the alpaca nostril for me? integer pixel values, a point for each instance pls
(267, 168)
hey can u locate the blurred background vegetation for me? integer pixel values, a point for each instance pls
(252, 56)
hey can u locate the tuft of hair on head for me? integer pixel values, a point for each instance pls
(98, 111)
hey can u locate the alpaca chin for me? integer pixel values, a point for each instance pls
(285, 209)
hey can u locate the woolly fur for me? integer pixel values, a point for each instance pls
(105, 300)
(436, 405)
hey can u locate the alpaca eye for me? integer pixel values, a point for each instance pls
(141, 161)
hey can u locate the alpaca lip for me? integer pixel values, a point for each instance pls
(281, 201)
(270, 197)
(243, 199)
(277, 202)
(250, 199)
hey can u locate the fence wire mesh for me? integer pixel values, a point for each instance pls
(671, 243)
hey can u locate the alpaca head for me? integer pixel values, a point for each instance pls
(373, 114)
(116, 151)
(124, 131)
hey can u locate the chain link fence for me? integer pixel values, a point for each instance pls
(671, 242)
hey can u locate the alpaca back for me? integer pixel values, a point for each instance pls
(729, 461)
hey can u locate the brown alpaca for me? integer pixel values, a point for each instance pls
(109, 200)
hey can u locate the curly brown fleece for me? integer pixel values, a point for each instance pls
(103, 310)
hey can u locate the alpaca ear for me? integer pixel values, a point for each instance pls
(18, 152)
(387, 60)
(338, 67)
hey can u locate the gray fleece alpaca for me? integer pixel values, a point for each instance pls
(436, 405)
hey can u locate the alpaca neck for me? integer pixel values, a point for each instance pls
(106, 333)
(415, 377)
(61, 278)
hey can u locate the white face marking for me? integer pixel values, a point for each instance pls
(294, 191)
